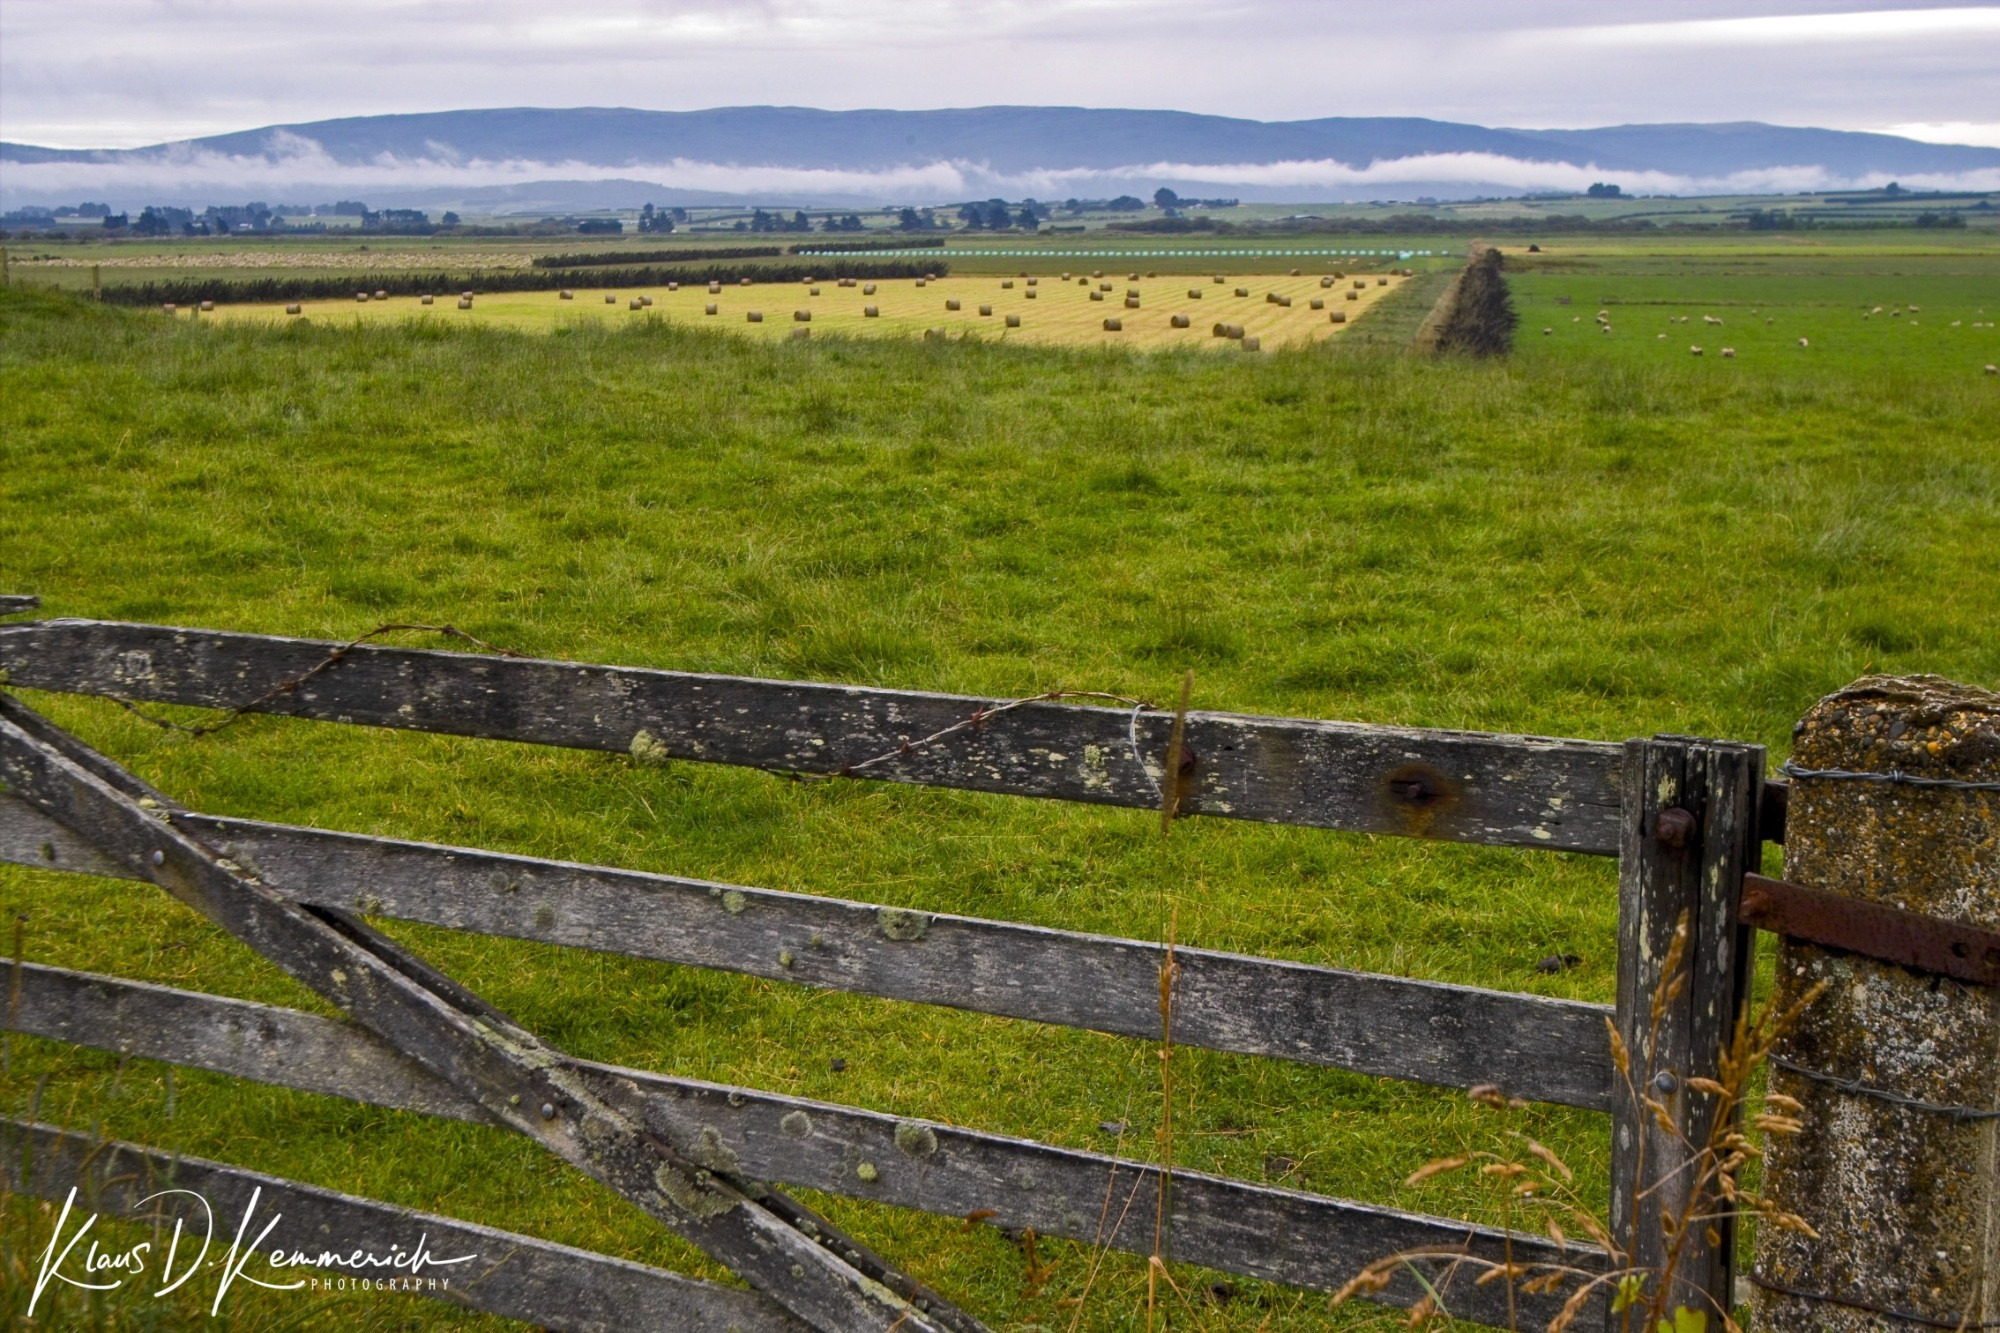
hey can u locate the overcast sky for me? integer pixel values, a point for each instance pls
(120, 73)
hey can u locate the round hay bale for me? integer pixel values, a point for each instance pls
(1131, 277)
(931, 276)
(1338, 274)
(1131, 291)
(1013, 321)
(1194, 293)
(635, 304)
(1097, 296)
(1252, 344)
(1033, 281)
(986, 310)
(465, 303)
(565, 294)
(1316, 303)
(1152, 275)
(714, 289)
(1103, 286)
(208, 305)
(802, 333)
(468, 295)
(1097, 273)
(673, 286)
(1065, 277)
(1232, 330)
(808, 280)
(425, 298)
(847, 282)
(869, 290)
(1354, 296)
(381, 295)
(1381, 282)
(920, 282)
(1326, 282)
(1360, 284)
(1242, 291)
(1131, 303)
(646, 300)
(1178, 322)
(812, 291)
(1295, 273)
(1114, 325)
(294, 309)
(168, 307)
(743, 282)
(933, 333)
(871, 311)
(1031, 293)
(609, 299)
(1217, 279)
(1006, 284)
(361, 296)
(708, 309)
(753, 316)
(802, 316)
(951, 303)
(1337, 317)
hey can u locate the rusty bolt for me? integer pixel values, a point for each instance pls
(1674, 828)
(1188, 759)
(1414, 790)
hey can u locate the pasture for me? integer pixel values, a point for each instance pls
(1601, 536)
(1046, 309)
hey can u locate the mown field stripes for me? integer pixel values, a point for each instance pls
(1456, 786)
(519, 1277)
(1452, 1036)
(1281, 1235)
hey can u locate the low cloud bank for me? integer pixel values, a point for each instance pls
(297, 169)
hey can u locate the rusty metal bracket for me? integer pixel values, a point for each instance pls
(1873, 930)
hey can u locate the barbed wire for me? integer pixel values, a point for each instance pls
(982, 715)
(1962, 1324)
(292, 683)
(1859, 1089)
(1894, 775)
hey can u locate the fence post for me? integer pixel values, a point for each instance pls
(1689, 833)
(1904, 1193)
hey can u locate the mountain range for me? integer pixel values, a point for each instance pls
(538, 159)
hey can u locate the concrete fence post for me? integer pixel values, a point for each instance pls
(1898, 1070)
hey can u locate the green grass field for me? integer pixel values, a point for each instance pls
(1600, 536)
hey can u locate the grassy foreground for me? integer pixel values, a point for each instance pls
(1580, 541)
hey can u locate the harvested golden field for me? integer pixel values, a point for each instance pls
(1049, 307)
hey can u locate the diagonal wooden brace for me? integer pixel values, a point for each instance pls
(591, 1118)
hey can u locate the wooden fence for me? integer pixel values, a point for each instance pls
(1685, 817)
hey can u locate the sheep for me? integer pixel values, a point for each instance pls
(1729, 353)
(1546, 331)
(1710, 319)
(1993, 370)
(1804, 343)
(1695, 350)
(1178, 322)
(1013, 321)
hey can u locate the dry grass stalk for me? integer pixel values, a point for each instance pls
(1529, 1176)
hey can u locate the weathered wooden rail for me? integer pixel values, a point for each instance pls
(1684, 817)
